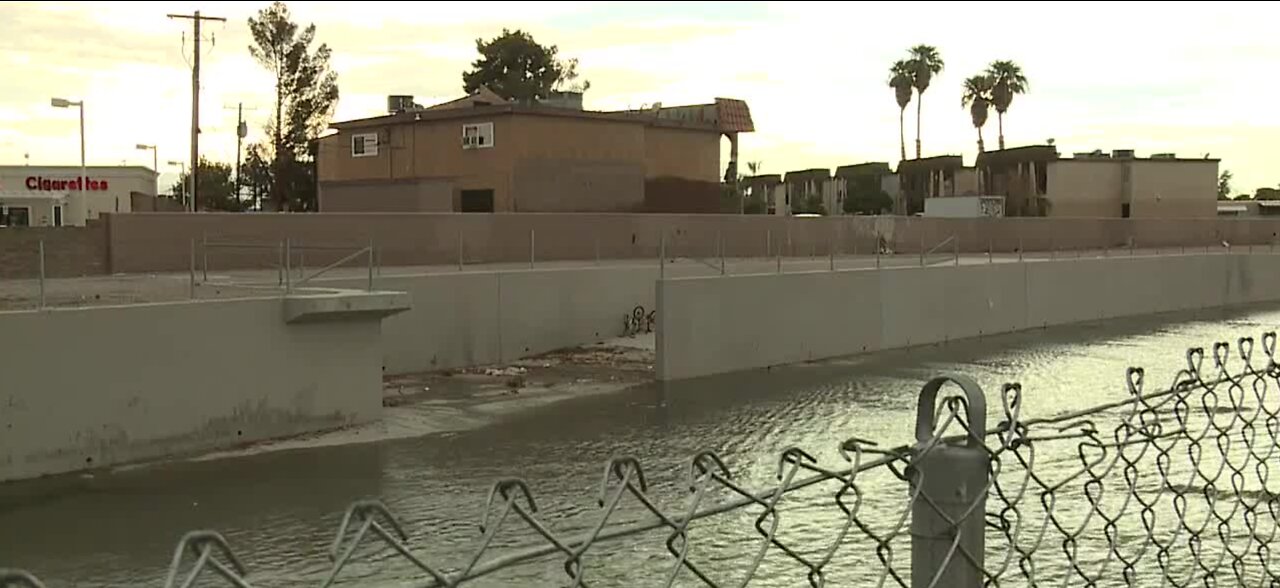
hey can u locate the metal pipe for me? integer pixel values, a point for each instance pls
(280, 263)
(956, 248)
(460, 249)
(989, 260)
(768, 243)
(532, 248)
(1019, 245)
(42, 273)
(922, 249)
(597, 240)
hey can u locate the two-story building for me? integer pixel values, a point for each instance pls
(1036, 181)
(484, 154)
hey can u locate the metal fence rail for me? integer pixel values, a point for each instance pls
(1167, 487)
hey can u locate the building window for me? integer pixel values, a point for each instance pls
(1042, 178)
(15, 216)
(477, 136)
(1124, 210)
(57, 216)
(364, 145)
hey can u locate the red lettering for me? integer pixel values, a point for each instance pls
(46, 184)
(102, 185)
(33, 183)
(93, 185)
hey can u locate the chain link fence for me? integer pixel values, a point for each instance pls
(1170, 486)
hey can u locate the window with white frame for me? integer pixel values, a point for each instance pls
(477, 135)
(364, 145)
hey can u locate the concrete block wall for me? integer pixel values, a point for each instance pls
(68, 251)
(161, 242)
(715, 325)
(93, 387)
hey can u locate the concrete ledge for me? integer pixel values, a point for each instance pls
(344, 305)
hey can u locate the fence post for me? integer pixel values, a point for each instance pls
(989, 245)
(280, 264)
(1019, 245)
(779, 257)
(720, 249)
(662, 256)
(949, 493)
(370, 264)
(922, 249)
(532, 249)
(768, 243)
(204, 256)
(42, 273)
(460, 257)
(956, 246)
(191, 281)
(288, 265)
(831, 255)
(596, 237)
(1132, 244)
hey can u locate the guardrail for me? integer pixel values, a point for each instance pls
(1166, 487)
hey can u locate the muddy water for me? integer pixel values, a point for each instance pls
(279, 510)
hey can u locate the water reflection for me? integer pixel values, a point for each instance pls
(279, 510)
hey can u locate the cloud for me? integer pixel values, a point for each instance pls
(1103, 75)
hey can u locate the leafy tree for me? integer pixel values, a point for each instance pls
(900, 79)
(1224, 185)
(866, 196)
(568, 80)
(1009, 81)
(256, 175)
(306, 93)
(217, 189)
(925, 63)
(977, 96)
(516, 67)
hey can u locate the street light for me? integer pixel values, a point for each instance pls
(183, 165)
(64, 103)
(155, 162)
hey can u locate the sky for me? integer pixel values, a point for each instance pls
(1192, 78)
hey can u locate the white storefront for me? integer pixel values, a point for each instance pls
(48, 196)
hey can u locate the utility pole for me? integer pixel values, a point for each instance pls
(242, 131)
(196, 18)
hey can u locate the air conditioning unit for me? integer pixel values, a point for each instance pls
(1122, 154)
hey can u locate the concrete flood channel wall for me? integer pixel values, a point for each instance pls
(488, 317)
(708, 326)
(93, 387)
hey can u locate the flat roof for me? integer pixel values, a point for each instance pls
(479, 111)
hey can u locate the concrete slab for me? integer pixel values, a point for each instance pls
(344, 305)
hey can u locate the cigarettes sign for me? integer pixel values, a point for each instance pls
(56, 184)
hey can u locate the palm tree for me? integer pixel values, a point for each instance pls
(977, 96)
(900, 79)
(1009, 82)
(926, 62)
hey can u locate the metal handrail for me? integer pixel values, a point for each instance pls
(940, 245)
(367, 250)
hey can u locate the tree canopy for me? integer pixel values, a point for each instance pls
(306, 92)
(516, 67)
(217, 188)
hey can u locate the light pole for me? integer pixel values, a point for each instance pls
(64, 103)
(183, 165)
(155, 162)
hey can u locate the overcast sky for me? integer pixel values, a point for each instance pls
(1190, 78)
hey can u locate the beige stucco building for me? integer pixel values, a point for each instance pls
(483, 154)
(1036, 181)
